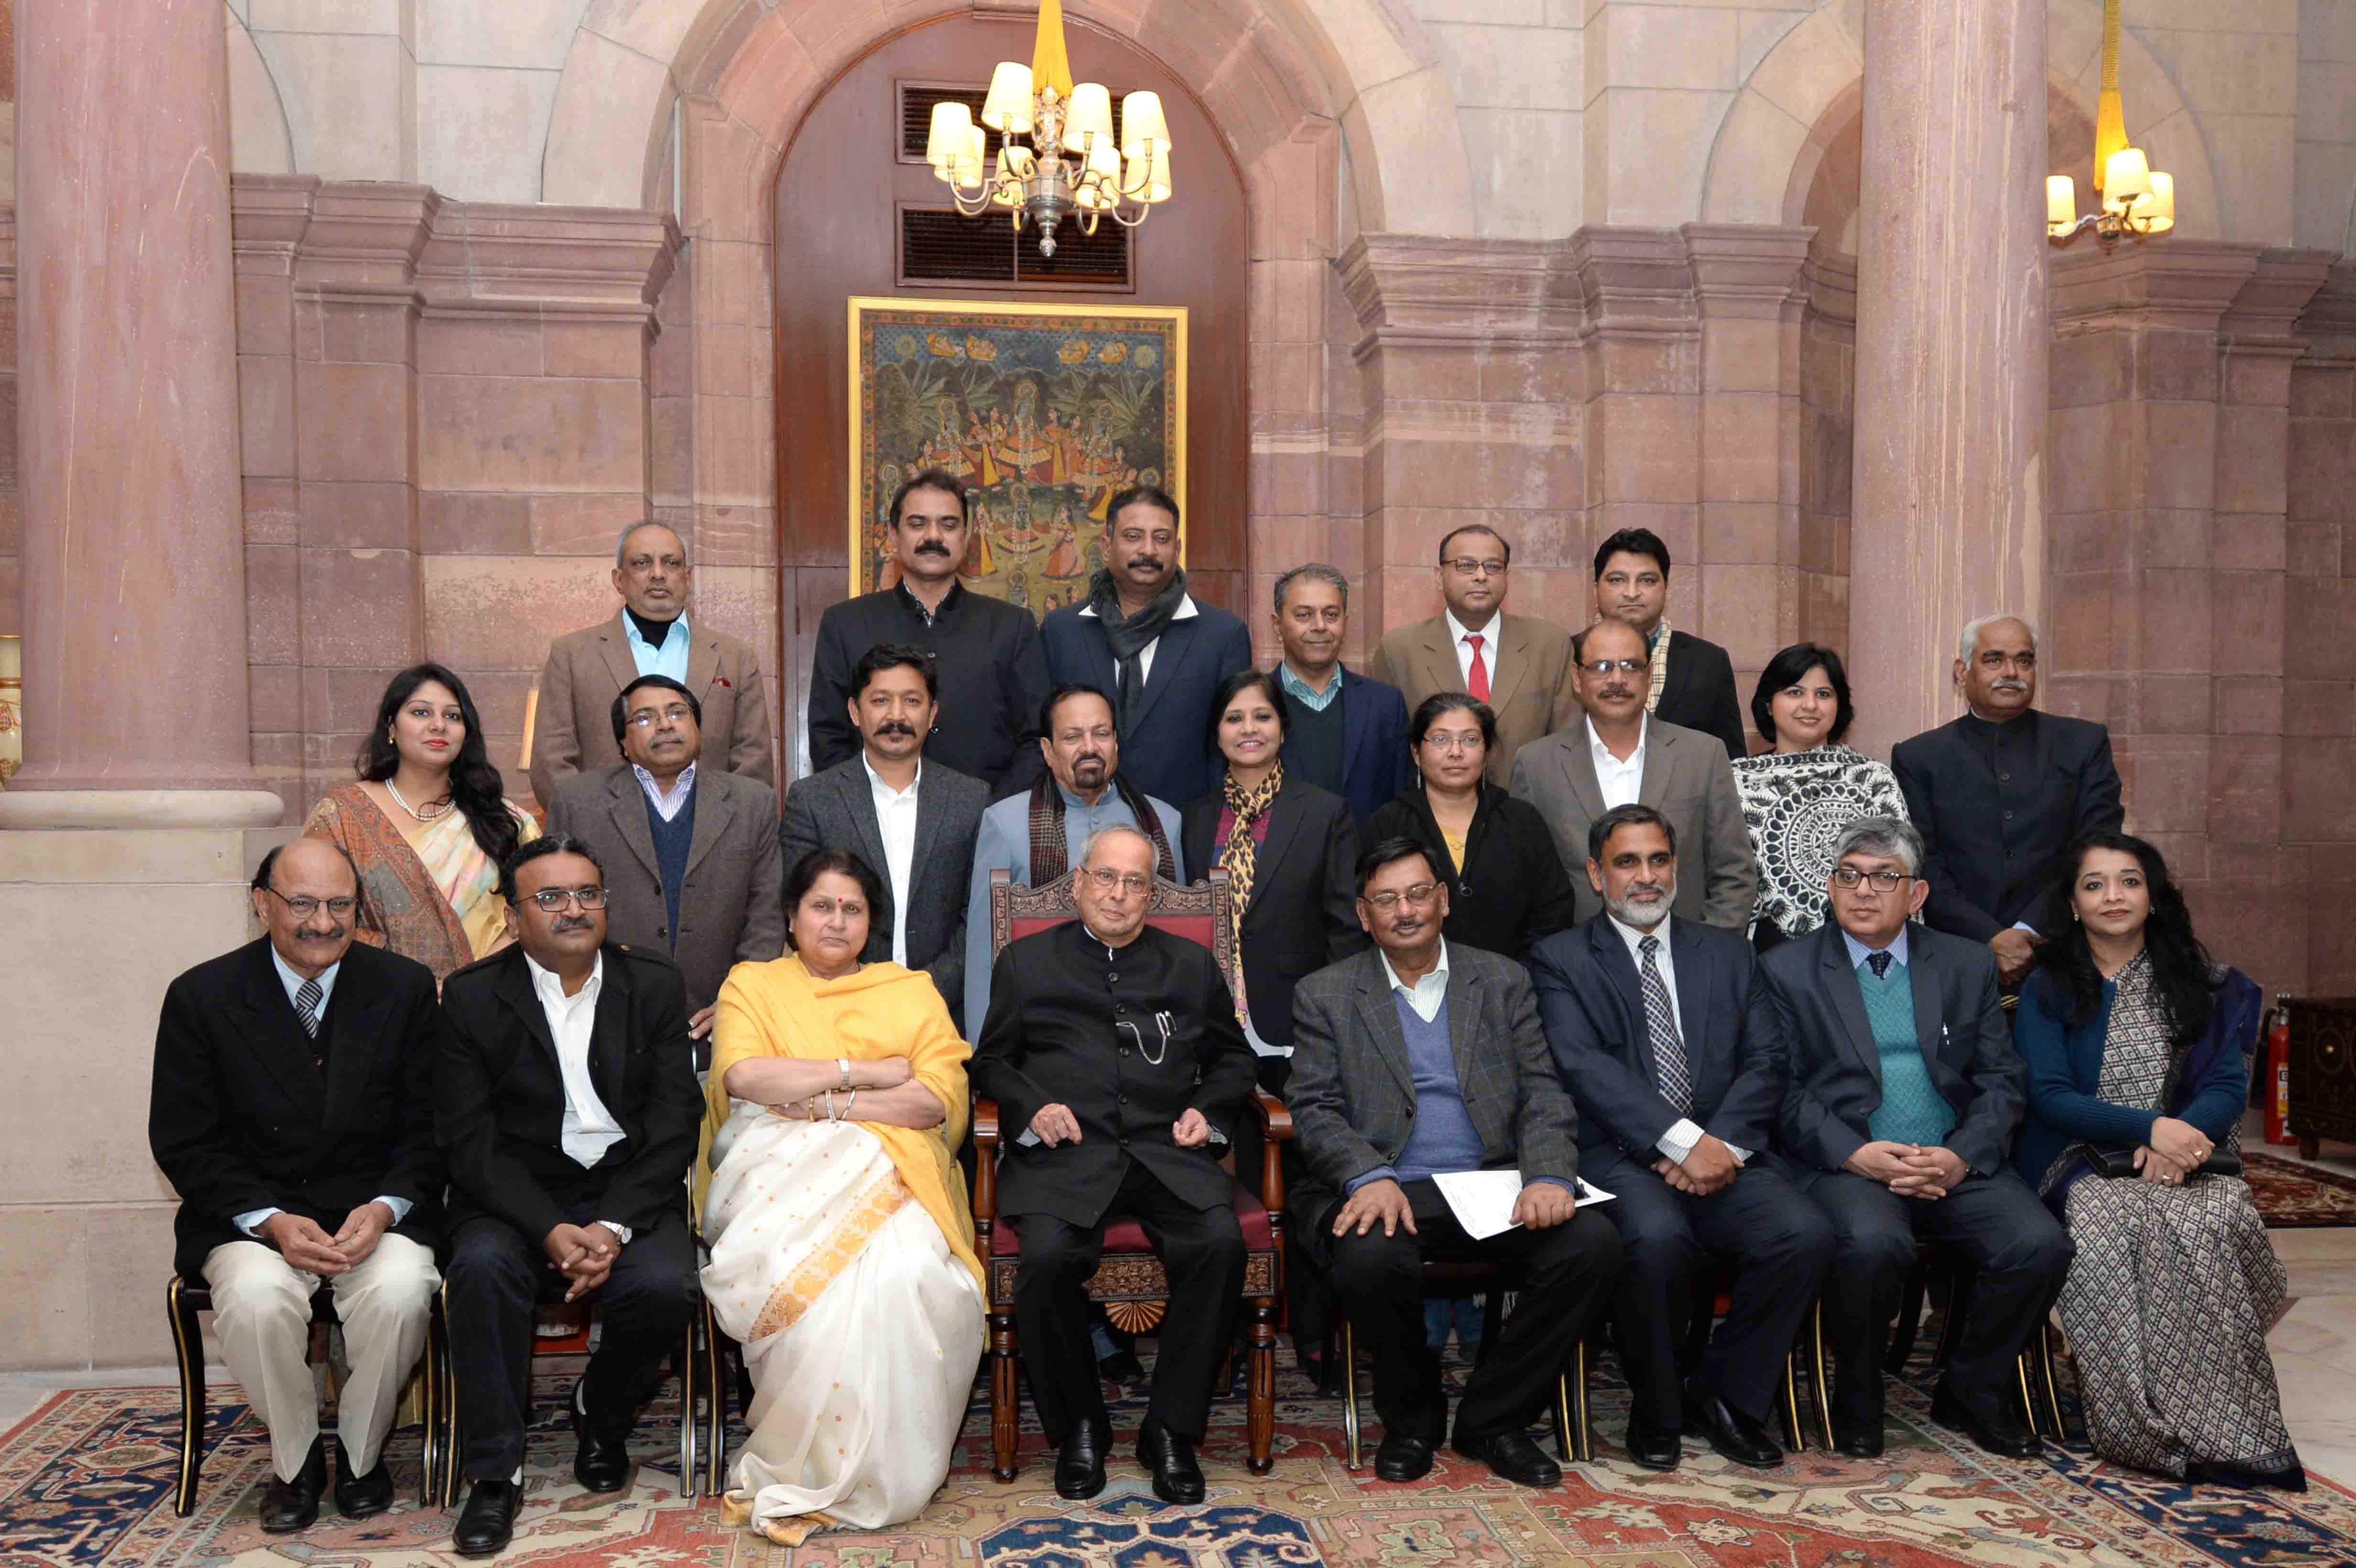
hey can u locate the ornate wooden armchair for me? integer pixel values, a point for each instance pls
(1130, 1282)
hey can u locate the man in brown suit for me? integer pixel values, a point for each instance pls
(1519, 665)
(692, 864)
(587, 669)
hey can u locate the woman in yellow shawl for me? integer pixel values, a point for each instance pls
(841, 1242)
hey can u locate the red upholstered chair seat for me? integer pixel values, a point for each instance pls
(1124, 1236)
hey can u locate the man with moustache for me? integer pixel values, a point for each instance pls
(988, 670)
(696, 870)
(1519, 665)
(1035, 838)
(1118, 1068)
(1348, 734)
(292, 1111)
(2001, 793)
(1144, 641)
(1692, 679)
(1678, 1071)
(587, 669)
(1905, 1095)
(569, 1113)
(1414, 1059)
(1622, 756)
(912, 818)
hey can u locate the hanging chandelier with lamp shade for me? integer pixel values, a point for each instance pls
(2138, 201)
(1125, 176)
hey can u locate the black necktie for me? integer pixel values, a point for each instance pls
(1881, 961)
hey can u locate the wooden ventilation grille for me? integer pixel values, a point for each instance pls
(940, 245)
(916, 101)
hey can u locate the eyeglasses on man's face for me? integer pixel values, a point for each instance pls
(1600, 668)
(678, 713)
(1106, 878)
(1388, 901)
(1884, 880)
(304, 906)
(1475, 566)
(552, 900)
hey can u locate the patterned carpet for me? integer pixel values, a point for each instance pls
(88, 1480)
(2293, 1196)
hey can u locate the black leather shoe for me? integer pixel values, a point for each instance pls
(1655, 1450)
(601, 1461)
(1514, 1457)
(2002, 1435)
(361, 1497)
(1402, 1458)
(486, 1523)
(289, 1506)
(1080, 1463)
(1729, 1431)
(1859, 1442)
(1169, 1458)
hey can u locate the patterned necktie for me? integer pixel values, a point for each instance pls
(1477, 680)
(1881, 961)
(1661, 1023)
(306, 1005)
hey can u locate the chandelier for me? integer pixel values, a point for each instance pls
(1125, 176)
(2138, 201)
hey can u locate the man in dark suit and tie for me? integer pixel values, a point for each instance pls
(568, 1112)
(1906, 1092)
(1692, 680)
(1679, 1071)
(1413, 1059)
(1348, 731)
(293, 1112)
(693, 866)
(1142, 639)
(1113, 1053)
(2000, 793)
(912, 818)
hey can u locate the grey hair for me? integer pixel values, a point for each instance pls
(1316, 572)
(1113, 830)
(1972, 630)
(1891, 837)
(622, 545)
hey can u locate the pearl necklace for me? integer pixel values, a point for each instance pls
(428, 816)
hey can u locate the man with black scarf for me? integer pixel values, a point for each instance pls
(1143, 638)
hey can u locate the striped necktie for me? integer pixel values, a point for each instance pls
(306, 1005)
(1661, 1023)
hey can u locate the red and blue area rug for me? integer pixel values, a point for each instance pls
(86, 1482)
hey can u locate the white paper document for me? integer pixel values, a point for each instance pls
(1482, 1200)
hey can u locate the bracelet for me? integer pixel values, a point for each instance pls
(843, 1064)
(829, 1105)
(847, 1109)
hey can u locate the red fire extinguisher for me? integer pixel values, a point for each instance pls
(2278, 1074)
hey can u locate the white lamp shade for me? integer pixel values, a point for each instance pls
(1090, 122)
(2157, 212)
(1008, 107)
(1141, 124)
(2061, 201)
(2127, 176)
(966, 168)
(1149, 182)
(951, 123)
(1104, 190)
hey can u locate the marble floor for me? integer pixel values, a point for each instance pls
(2313, 1345)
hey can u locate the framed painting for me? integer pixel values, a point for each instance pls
(1046, 411)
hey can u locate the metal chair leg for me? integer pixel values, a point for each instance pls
(1580, 1427)
(690, 1430)
(453, 1431)
(1350, 1391)
(715, 1455)
(1820, 1371)
(1910, 1319)
(429, 1480)
(1794, 1440)
(188, 1350)
(2046, 1374)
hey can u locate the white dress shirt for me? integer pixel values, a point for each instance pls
(252, 1221)
(1685, 1133)
(896, 818)
(1488, 635)
(589, 1129)
(1619, 783)
(1427, 994)
(1185, 612)
(667, 806)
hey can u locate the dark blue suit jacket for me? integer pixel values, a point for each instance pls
(1164, 750)
(1375, 762)
(1593, 1007)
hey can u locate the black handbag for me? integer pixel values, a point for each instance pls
(2119, 1163)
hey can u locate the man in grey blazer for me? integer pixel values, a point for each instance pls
(914, 821)
(1619, 754)
(690, 857)
(1411, 1059)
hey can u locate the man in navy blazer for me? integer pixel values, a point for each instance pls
(1142, 637)
(1679, 1071)
(1348, 734)
(1906, 1094)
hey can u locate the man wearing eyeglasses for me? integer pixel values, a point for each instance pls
(1113, 1052)
(568, 1112)
(1519, 665)
(1906, 1092)
(696, 869)
(1622, 756)
(292, 1111)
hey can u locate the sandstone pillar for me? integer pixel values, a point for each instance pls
(132, 565)
(1951, 347)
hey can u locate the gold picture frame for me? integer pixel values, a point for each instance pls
(1046, 410)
